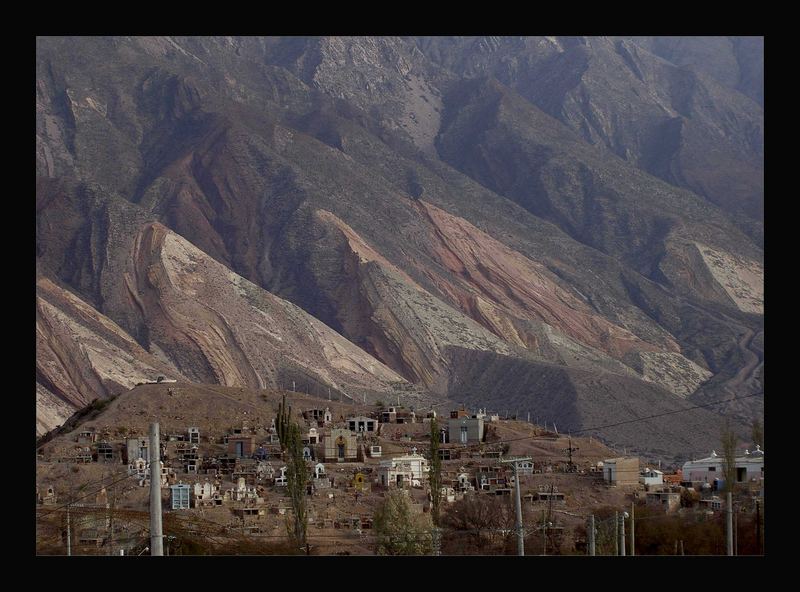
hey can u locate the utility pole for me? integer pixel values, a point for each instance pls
(622, 534)
(69, 536)
(156, 536)
(735, 533)
(544, 534)
(517, 487)
(616, 533)
(569, 451)
(633, 519)
(758, 527)
(729, 522)
(590, 533)
(111, 522)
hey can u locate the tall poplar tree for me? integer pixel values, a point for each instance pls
(435, 473)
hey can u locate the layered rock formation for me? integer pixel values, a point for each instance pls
(433, 209)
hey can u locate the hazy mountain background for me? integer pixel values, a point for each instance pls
(567, 226)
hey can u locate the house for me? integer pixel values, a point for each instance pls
(340, 446)
(49, 497)
(714, 503)
(621, 471)
(545, 495)
(464, 429)
(651, 477)
(105, 452)
(491, 478)
(398, 415)
(403, 471)
(464, 482)
(264, 471)
(137, 448)
(448, 494)
(138, 468)
(179, 496)
(667, 500)
(82, 455)
(362, 424)
(360, 483)
(91, 536)
(313, 435)
(247, 468)
(389, 415)
(674, 478)
(525, 467)
(322, 416)
(166, 474)
(87, 436)
(194, 435)
(749, 467)
(241, 445)
(243, 493)
(240, 431)
(190, 458)
(206, 494)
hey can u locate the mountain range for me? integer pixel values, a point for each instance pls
(566, 226)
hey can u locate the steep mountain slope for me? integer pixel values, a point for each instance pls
(438, 224)
(576, 400)
(519, 152)
(219, 328)
(676, 122)
(735, 62)
(203, 322)
(82, 355)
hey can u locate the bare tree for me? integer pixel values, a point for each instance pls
(479, 523)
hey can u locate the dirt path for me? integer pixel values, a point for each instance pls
(751, 361)
(751, 356)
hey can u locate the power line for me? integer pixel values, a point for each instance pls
(45, 513)
(668, 413)
(611, 425)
